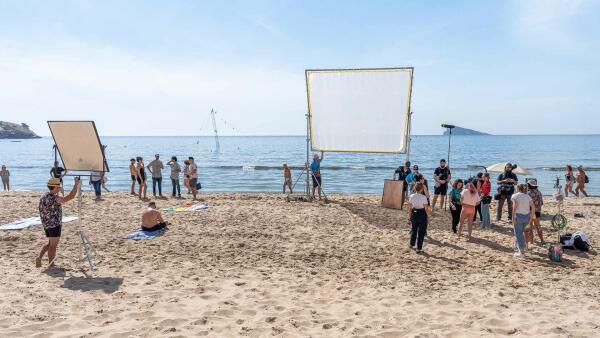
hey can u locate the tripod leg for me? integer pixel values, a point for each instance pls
(84, 242)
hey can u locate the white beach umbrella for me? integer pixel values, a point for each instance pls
(499, 168)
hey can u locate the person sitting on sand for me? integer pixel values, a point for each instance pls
(469, 199)
(315, 170)
(418, 217)
(523, 208)
(287, 178)
(133, 173)
(581, 179)
(538, 201)
(50, 208)
(152, 219)
(5, 175)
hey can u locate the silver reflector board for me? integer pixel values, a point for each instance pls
(78, 145)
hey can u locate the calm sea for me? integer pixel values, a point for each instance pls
(252, 164)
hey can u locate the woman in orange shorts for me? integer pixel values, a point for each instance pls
(469, 199)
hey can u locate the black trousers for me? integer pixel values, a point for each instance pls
(477, 211)
(455, 216)
(419, 228)
(159, 181)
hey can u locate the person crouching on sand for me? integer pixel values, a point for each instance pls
(152, 219)
(50, 208)
(418, 217)
(287, 178)
(469, 199)
(523, 208)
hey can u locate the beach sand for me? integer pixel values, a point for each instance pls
(257, 265)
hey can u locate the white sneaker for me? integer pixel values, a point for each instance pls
(519, 255)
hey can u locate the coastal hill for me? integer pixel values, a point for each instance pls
(464, 131)
(16, 131)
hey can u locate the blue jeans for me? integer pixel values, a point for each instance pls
(519, 229)
(97, 187)
(159, 181)
(176, 187)
(485, 215)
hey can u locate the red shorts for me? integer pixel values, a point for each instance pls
(468, 210)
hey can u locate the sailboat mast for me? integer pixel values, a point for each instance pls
(214, 122)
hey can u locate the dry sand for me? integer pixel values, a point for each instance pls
(256, 265)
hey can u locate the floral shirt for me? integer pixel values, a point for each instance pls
(50, 211)
(536, 196)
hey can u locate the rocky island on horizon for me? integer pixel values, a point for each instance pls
(464, 131)
(9, 130)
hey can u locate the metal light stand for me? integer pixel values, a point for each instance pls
(448, 127)
(84, 240)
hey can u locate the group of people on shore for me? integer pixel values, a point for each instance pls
(470, 197)
(137, 169)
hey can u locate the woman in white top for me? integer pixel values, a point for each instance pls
(523, 208)
(418, 217)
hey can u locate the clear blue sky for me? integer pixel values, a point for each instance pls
(158, 67)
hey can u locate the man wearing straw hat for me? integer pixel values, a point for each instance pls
(51, 216)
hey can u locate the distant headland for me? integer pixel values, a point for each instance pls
(9, 130)
(464, 131)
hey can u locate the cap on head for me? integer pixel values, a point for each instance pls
(415, 167)
(54, 182)
(443, 160)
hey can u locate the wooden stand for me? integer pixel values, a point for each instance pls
(393, 194)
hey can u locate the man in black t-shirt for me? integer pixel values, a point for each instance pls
(402, 173)
(441, 176)
(506, 188)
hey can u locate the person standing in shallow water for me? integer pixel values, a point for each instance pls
(5, 175)
(581, 179)
(569, 180)
(287, 178)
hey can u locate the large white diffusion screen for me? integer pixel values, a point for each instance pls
(359, 110)
(78, 145)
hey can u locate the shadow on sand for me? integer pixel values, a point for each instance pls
(106, 284)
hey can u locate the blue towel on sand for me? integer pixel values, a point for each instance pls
(143, 235)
